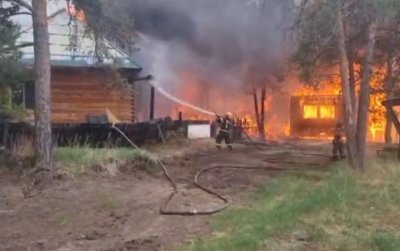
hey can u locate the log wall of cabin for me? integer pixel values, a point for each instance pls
(77, 93)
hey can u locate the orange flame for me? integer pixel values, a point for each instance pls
(197, 90)
(377, 116)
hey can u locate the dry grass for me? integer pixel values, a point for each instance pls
(23, 147)
(77, 159)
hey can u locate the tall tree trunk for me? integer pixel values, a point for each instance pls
(365, 96)
(348, 108)
(352, 80)
(389, 94)
(42, 83)
(261, 129)
(256, 110)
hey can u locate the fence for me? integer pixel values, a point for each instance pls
(97, 134)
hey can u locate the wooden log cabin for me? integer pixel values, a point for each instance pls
(82, 84)
(80, 91)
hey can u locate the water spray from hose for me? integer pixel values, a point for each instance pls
(180, 101)
(196, 108)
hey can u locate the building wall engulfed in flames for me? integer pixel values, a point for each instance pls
(324, 114)
(307, 112)
(314, 115)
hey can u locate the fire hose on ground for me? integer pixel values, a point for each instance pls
(226, 201)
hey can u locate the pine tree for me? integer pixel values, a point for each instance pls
(12, 73)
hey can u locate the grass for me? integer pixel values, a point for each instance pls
(335, 210)
(77, 159)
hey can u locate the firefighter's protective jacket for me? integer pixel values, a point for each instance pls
(225, 124)
(339, 132)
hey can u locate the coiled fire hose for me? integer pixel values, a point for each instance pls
(226, 201)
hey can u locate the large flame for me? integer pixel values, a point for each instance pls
(198, 90)
(377, 115)
(377, 118)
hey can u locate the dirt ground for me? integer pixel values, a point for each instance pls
(121, 212)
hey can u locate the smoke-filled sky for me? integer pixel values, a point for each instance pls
(229, 43)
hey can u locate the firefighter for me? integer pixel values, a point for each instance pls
(338, 142)
(225, 125)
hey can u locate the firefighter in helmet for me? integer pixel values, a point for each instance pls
(338, 142)
(225, 124)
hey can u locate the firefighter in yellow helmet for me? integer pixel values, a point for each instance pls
(225, 124)
(338, 142)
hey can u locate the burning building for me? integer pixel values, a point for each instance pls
(202, 53)
(314, 116)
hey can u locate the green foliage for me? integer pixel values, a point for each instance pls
(17, 112)
(316, 42)
(317, 27)
(335, 210)
(281, 204)
(9, 53)
(11, 71)
(385, 241)
(102, 26)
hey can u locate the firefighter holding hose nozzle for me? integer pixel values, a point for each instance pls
(338, 142)
(225, 125)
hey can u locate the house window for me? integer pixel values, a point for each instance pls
(18, 96)
(327, 111)
(310, 111)
(29, 95)
(319, 112)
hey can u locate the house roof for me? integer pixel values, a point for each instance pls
(70, 45)
(82, 61)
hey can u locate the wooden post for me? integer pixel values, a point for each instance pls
(152, 97)
(180, 117)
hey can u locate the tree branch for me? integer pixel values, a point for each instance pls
(18, 13)
(21, 3)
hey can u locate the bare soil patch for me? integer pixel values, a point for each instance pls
(121, 212)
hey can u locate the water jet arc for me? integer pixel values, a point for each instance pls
(180, 101)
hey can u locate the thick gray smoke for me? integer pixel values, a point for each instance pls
(227, 44)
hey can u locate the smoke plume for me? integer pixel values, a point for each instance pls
(224, 45)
